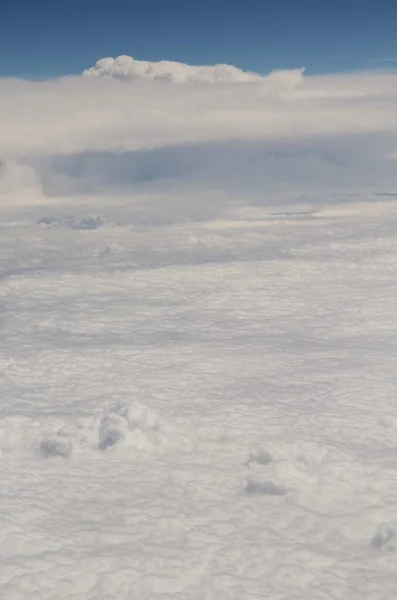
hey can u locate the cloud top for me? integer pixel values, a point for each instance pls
(127, 68)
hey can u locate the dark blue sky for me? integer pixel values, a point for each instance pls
(41, 38)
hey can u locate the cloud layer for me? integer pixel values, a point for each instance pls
(211, 124)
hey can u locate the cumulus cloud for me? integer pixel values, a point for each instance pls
(126, 67)
(216, 123)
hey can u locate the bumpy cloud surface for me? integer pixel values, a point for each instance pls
(198, 335)
(126, 67)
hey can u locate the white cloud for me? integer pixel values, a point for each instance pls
(126, 67)
(187, 331)
(77, 114)
(215, 124)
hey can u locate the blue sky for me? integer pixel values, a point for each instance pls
(47, 38)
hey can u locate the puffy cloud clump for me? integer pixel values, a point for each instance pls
(126, 67)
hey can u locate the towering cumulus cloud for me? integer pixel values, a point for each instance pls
(125, 121)
(126, 67)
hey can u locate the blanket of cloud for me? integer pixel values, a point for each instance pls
(198, 347)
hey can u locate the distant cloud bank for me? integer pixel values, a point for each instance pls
(125, 121)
